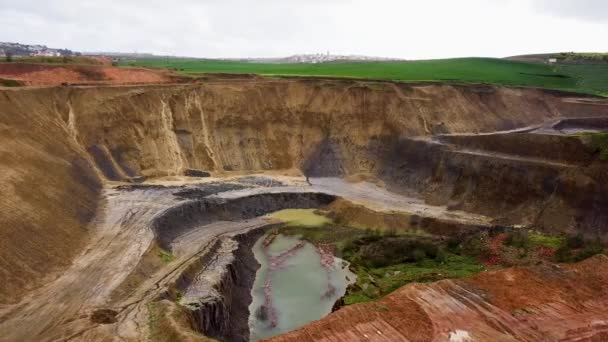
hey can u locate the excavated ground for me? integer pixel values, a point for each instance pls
(91, 255)
(63, 74)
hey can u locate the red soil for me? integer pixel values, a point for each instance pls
(549, 303)
(51, 75)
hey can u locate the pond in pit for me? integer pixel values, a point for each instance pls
(297, 283)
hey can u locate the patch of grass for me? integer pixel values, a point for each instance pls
(518, 239)
(580, 78)
(9, 83)
(374, 283)
(599, 142)
(153, 319)
(165, 256)
(301, 218)
(549, 241)
(591, 79)
(576, 248)
(379, 251)
(331, 233)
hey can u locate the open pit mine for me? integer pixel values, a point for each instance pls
(294, 209)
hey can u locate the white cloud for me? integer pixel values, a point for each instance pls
(262, 28)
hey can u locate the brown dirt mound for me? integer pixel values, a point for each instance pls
(50, 74)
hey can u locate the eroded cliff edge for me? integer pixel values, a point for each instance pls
(66, 141)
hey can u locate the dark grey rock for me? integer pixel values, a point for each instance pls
(196, 173)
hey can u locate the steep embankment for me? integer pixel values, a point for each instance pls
(270, 125)
(52, 137)
(49, 190)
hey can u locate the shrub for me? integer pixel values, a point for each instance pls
(599, 142)
(442, 256)
(591, 249)
(479, 245)
(575, 242)
(418, 255)
(518, 239)
(454, 244)
(576, 248)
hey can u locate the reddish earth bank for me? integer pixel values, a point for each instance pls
(544, 303)
(50, 75)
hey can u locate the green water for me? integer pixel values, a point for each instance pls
(302, 289)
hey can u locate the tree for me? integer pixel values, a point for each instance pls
(9, 56)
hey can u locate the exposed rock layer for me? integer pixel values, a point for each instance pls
(65, 140)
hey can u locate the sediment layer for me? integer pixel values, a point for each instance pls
(68, 141)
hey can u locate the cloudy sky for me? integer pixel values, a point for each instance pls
(413, 29)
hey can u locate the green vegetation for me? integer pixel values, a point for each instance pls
(382, 259)
(165, 256)
(582, 57)
(301, 218)
(548, 241)
(577, 248)
(153, 319)
(341, 236)
(599, 142)
(589, 78)
(385, 260)
(374, 283)
(579, 78)
(9, 83)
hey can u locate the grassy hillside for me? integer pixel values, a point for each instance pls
(460, 70)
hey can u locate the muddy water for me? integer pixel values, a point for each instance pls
(296, 284)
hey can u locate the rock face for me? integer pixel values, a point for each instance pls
(189, 215)
(66, 141)
(546, 181)
(196, 173)
(522, 304)
(223, 311)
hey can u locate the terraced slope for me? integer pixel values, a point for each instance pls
(62, 240)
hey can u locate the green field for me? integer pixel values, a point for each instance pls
(591, 79)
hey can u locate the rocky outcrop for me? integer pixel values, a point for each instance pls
(218, 298)
(181, 218)
(196, 173)
(557, 183)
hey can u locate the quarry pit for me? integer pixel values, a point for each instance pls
(133, 212)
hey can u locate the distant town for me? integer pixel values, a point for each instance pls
(19, 50)
(25, 50)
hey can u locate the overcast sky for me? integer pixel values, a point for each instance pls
(412, 29)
